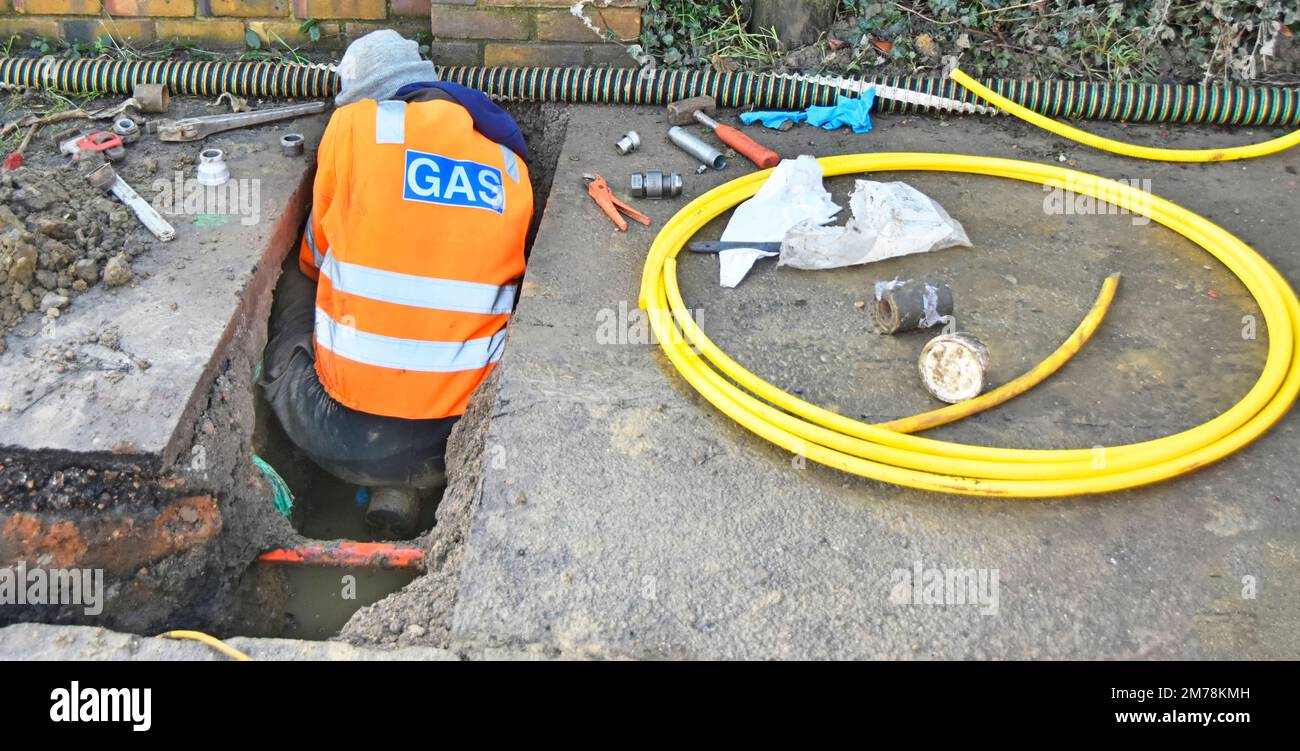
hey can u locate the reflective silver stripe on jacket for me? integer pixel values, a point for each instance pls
(407, 354)
(390, 122)
(317, 255)
(419, 291)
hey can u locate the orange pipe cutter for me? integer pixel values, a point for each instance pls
(599, 191)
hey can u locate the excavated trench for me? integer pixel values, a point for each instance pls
(317, 602)
(217, 585)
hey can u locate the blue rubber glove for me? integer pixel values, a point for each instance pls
(772, 118)
(855, 113)
(850, 111)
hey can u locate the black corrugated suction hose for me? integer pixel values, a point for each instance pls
(1134, 102)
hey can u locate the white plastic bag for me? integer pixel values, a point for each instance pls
(889, 220)
(792, 194)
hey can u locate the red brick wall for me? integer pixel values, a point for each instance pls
(465, 32)
(533, 32)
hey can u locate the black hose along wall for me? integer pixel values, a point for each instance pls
(1227, 105)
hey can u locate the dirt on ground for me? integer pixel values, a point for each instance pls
(191, 586)
(62, 237)
(59, 236)
(543, 126)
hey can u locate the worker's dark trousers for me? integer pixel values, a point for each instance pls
(356, 447)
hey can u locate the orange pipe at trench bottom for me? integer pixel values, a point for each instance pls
(383, 555)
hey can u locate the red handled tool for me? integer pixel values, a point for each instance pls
(598, 189)
(103, 142)
(699, 108)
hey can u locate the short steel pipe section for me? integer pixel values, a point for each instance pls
(696, 147)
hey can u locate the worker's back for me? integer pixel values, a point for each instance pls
(417, 234)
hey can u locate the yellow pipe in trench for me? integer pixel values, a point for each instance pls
(890, 456)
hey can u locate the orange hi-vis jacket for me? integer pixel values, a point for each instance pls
(416, 237)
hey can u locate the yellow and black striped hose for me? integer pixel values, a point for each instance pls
(1132, 102)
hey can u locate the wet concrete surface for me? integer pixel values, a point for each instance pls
(623, 516)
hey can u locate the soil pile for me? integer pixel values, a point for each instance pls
(59, 236)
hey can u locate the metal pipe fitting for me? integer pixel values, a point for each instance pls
(655, 184)
(954, 367)
(912, 305)
(212, 168)
(631, 141)
(127, 129)
(291, 144)
(151, 97)
(696, 147)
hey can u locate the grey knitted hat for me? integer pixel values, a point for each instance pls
(378, 64)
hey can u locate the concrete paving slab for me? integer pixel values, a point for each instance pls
(622, 515)
(65, 393)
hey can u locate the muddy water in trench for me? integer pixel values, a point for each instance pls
(313, 602)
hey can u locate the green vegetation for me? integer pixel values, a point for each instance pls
(105, 45)
(1211, 39)
(42, 102)
(279, 50)
(1219, 39)
(694, 32)
(1182, 40)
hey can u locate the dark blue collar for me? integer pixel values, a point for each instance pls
(489, 119)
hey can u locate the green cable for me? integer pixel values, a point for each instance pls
(283, 496)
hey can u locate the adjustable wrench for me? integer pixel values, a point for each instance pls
(199, 128)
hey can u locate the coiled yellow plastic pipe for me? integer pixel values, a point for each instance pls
(890, 456)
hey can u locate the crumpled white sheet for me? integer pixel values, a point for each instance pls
(793, 194)
(889, 220)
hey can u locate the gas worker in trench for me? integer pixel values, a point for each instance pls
(394, 310)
